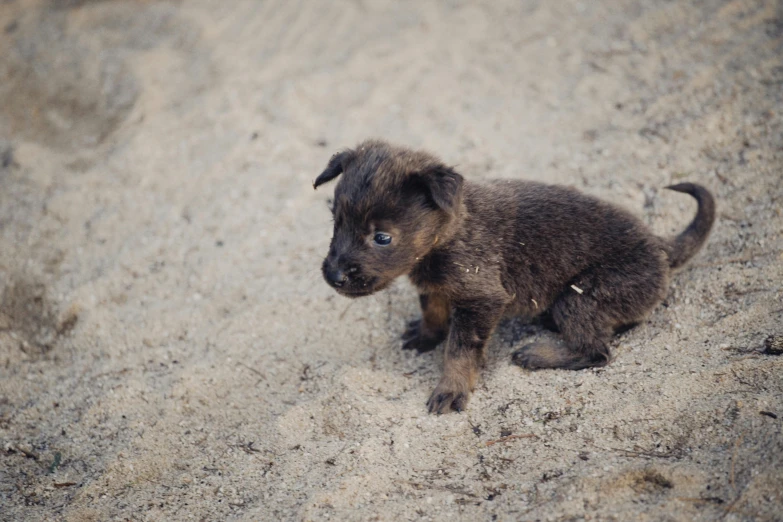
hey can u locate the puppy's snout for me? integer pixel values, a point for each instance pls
(335, 276)
(336, 272)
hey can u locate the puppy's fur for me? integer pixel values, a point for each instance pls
(479, 251)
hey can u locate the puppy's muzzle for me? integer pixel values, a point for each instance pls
(337, 273)
(335, 277)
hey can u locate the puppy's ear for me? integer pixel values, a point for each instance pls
(444, 186)
(335, 167)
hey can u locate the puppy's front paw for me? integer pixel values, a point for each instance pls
(420, 344)
(415, 339)
(448, 397)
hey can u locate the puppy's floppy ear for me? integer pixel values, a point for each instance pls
(335, 167)
(444, 186)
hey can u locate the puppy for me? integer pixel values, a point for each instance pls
(476, 252)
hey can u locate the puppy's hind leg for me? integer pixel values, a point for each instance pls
(609, 298)
(586, 345)
(548, 354)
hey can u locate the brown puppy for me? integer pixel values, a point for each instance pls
(478, 251)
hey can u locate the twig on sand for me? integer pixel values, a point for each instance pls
(26, 453)
(263, 377)
(734, 458)
(731, 505)
(731, 508)
(751, 256)
(347, 307)
(512, 437)
(713, 500)
(642, 453)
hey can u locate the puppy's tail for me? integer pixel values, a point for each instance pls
(685, 245)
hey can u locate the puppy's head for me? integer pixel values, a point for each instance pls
(391, 207)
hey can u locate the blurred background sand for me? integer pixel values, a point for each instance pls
(168, 350)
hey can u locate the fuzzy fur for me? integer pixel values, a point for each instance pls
(476, 252)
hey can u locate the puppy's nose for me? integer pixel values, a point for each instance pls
(336, 277)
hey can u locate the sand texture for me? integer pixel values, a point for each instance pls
(169, 350)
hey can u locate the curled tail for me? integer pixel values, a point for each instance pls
(685, 245)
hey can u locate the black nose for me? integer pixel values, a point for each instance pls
(336, 277)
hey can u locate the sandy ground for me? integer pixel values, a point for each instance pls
(168, 350)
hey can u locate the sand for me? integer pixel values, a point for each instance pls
(169, 351)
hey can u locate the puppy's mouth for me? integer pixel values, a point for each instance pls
(359, 289)
(348, 292)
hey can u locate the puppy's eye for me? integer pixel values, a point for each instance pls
(382, 238)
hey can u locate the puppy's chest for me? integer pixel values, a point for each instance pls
(455, 271)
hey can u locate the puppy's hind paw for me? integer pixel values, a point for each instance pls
(541, 355)
(536, 356)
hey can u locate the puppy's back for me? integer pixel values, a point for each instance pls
(553, 219)
(545, 235)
